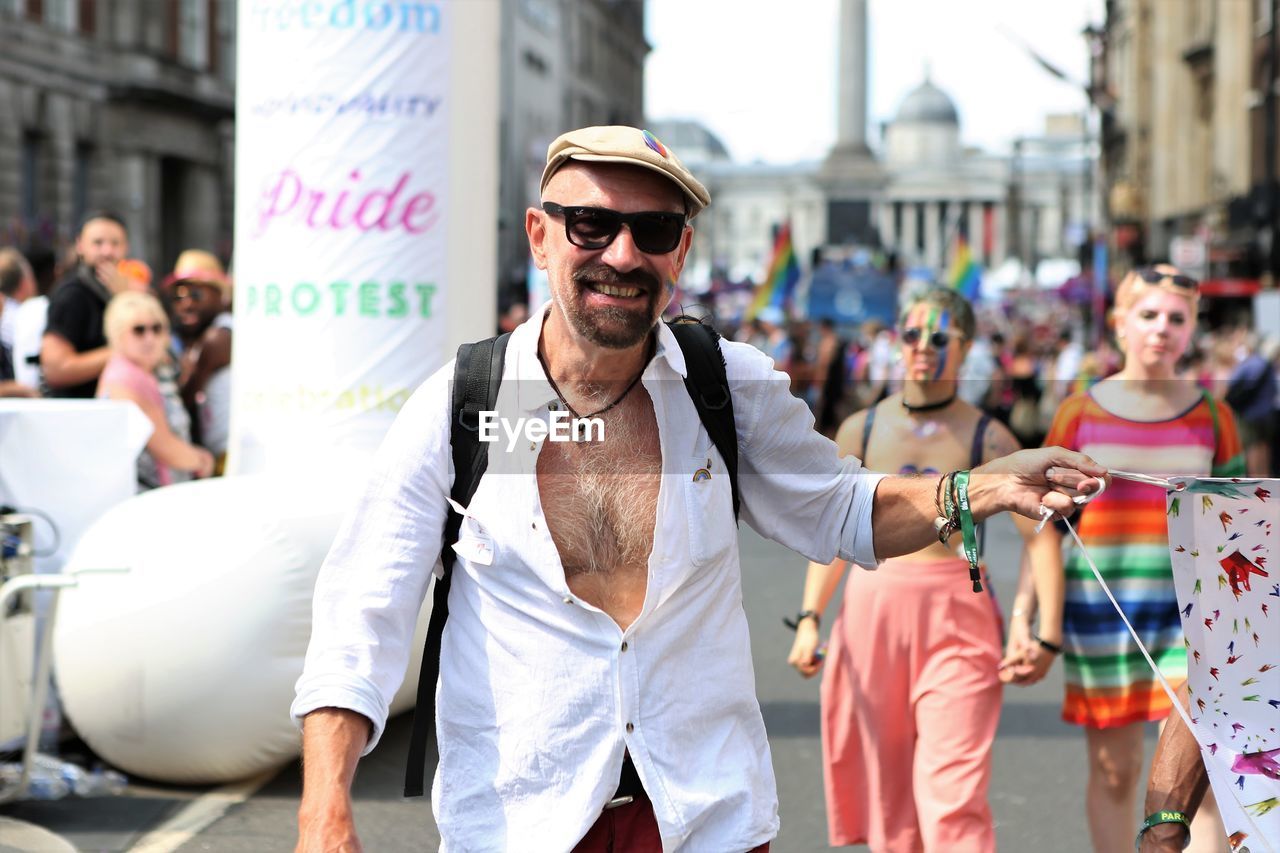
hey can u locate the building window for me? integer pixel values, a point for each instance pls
(223, 60)
(32, 166)
(61, 14)
(535, 63)
(193, 33)
(80, 180)
(87, 19)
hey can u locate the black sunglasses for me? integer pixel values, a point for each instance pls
(654, 233)
(937, 340)
(1151, 275)
(153, 328)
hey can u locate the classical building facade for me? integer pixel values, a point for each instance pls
(123, 105)
(1185, 145)
(923, 190)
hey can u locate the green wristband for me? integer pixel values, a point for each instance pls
(967, 529)
(1157, 818)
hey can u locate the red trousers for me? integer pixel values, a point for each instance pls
(629, 829)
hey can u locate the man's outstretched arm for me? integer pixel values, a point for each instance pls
(904, 508)
(1177, 783)
(332, 740)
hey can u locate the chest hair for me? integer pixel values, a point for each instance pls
(601, 498)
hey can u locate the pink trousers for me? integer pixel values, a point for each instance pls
(910, 703)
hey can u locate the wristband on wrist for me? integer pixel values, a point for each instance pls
(1046, 645)
(794, 624)
(967, 528)
(1157, 818)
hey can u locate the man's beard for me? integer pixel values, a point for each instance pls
(611, 326)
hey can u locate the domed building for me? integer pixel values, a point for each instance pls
(925, 130)
(936, 187)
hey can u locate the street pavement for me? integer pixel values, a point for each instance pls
(1037, 786)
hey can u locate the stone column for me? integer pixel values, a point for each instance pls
(977, 232)
(999, 233)
(888, 234)
(907, 245)
(932, 235)
(851, 88)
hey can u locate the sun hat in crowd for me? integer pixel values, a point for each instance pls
(198, 267)
(628, 145)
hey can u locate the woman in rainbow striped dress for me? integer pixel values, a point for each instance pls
(1147, 419)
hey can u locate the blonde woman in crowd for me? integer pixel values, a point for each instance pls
(137, 331)
(1149, 420)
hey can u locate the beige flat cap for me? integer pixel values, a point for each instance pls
(630, 145)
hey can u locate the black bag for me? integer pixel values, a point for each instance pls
(477, 374)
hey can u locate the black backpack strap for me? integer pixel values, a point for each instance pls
(979, 434)
(708, 385)
(866, 429)
(477, 373)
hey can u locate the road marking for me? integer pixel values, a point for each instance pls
(28, 838)
(199, 814)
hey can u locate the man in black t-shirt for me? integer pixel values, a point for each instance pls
(74, 349)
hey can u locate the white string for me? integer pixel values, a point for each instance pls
(1168, 689)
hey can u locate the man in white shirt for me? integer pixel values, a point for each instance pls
(17, 285)
(596, 634)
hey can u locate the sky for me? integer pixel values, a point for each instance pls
(763, 79)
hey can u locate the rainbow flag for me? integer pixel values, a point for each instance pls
(784, 273)
(964, 274)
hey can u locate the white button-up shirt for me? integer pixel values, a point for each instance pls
(540, 692)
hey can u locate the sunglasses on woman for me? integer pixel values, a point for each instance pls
(938, 340)
(1151, 275)
(141, 329)
(654, 233)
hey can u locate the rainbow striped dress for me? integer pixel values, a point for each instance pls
(1107, 681)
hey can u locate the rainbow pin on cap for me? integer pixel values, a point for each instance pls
(629, 145)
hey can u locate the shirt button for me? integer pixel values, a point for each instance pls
(553, 406)
(533, 446)
(630, 728)
(568, 600)
(624, 645)
(534, 525)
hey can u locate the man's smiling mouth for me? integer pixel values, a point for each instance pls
(616, 290)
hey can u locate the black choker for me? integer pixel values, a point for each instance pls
(546, 369)
(928, 407)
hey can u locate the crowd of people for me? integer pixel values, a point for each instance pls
(602, 573)
(95, 325)
(1019, 368)
(908, 770)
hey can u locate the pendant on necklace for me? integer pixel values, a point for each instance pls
(923, 429)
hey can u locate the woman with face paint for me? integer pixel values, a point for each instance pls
(1148, 419)
(911, 693)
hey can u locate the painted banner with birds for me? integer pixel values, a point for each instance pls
(1223, 536)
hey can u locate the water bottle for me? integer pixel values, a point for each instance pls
(100, 782)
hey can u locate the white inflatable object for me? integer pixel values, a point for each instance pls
(182, 669)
